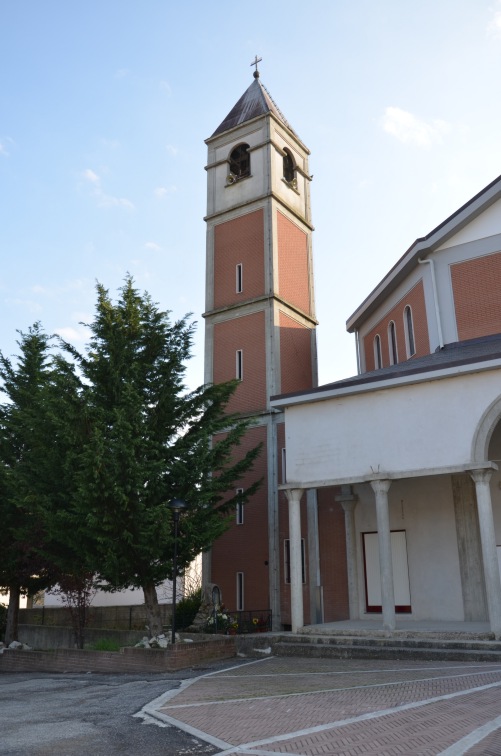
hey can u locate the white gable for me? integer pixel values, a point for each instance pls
(486, 224)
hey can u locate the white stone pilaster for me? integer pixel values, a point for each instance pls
(381, 488)
(294, 499)
(481, 478)
(348, 503)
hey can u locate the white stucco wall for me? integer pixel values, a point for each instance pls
(417, 429)
(129, 597)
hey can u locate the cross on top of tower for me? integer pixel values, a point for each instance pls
(254, 63)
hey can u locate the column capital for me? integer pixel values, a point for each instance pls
(380, 486)
(294, 494)
(481, 476)
(348, 504)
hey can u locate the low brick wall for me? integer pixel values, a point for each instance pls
(128, 660)
(46, 637)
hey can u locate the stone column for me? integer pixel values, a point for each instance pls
(348, 502)
(481, 479)
(380, 488)
(294, 499)
(314, 578)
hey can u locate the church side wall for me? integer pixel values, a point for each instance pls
(416, 300)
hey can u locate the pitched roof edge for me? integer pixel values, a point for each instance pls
(451, 225)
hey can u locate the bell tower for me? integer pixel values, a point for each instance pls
(259, 324)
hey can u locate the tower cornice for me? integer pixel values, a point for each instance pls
(256, 201)
(266, 298)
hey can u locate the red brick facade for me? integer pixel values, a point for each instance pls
(414, 298)
(239, 241)
(293, 268)
(295, 355)
(244, 548)
(476, 285)
(245, 333)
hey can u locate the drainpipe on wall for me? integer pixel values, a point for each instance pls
(357, 349)
(431, 263)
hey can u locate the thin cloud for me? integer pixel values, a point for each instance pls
(494, 25)
(26, 304)
(164, 191)
(73, 334)
(5, 143)
(410, 129)
(173, 151)
(153, 246)
(103, 199)
(165, 87)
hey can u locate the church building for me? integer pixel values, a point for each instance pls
(414, 440)
(381, 494)
(260, 329)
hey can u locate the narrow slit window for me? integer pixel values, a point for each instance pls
(239, 278)
(287, 561)
(239, 365)
(284, 466)
(409, 332)
(378, 360)
(239, 512)
(392, 343)
(240, 591)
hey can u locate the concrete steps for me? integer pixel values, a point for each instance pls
(426, 648)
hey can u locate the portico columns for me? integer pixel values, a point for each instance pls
(294, 499)
(348, 502)
(481, 479)
(380, 488)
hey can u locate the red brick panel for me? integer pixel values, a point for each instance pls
(295, 355)
(248, 334)
(293, 267)
(333, 569)
(476, 285)
(244, 548)
(239, 241)
(415, 299)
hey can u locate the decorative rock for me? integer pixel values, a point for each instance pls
(16, 646)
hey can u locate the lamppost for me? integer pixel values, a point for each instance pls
(177, 506)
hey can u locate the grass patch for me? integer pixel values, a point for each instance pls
(105, 644)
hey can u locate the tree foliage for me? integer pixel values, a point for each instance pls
(94, 446)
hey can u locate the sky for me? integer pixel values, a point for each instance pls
(105, 105)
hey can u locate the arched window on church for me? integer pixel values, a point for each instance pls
(392, 343)
(378, 359)
(409, 332)
(240, 161)
(289, 167)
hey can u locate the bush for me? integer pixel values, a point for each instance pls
(187, 608)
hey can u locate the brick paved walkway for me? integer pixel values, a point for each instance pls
(330, 707)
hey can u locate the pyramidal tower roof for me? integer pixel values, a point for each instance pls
(255, 101)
